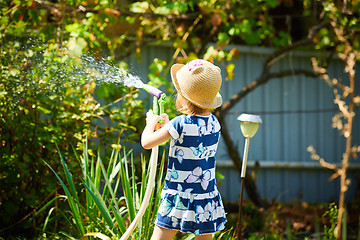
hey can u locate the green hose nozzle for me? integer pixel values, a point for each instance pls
(158, 101)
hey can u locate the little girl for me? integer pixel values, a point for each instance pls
(190, 201)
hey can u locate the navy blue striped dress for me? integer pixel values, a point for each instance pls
(190, 200)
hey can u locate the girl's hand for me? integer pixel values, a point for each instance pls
(152, 119)
(165, 119)
(151, 138)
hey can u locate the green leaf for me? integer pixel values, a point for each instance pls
(162, 10)
(72, 204)
(272, 3)
(139, 7)
(44, 110)
(119, 220)
(99, 202)
(72, 27)
(223, 37)
(14, 72)
(76, 46)
(3, 93)
(127, 189)
(234, 31)
(230, 70)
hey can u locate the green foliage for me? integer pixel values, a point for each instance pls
(332, 214)
(38, 107)
(122, 29)
(226, 235)
(46, 98)
(112, 194)
(341, 17)
(267, 236)
(44, 101)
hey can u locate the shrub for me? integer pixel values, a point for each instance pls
(47, 98)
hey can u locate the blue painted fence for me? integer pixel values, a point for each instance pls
(296, 111)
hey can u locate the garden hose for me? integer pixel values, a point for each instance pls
(158, 108)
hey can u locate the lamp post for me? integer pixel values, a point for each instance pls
(249, 124)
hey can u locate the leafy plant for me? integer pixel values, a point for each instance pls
(47, 97)
(38, 108)
(112, 195)
(332, 214)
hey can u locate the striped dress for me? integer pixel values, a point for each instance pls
(190, 200)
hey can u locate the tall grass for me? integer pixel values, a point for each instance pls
(109, 198)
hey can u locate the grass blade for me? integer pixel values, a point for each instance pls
(67, 235)
(74, 208)
(317, 227)
(93, 218)
(160, 185)
(97, 179)
(133, 183)
(45, 207)
(344, 224)
(108, 184)
(127, 189)
(85, 171)
(96, 234)
(119, 220)
(144, 177)
(115, 173)
(47, 219)
(99, 202)
(68, 177)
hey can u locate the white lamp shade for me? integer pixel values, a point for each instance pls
(249, 124)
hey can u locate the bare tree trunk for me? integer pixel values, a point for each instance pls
(350, 62)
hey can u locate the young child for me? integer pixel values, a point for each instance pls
(190, 201)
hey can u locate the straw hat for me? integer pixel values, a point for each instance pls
(198, 81)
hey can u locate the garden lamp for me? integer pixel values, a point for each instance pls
(249, 124)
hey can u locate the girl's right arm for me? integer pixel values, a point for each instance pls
(151, 138)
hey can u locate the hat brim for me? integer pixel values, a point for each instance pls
(215, 104)
(174, 69)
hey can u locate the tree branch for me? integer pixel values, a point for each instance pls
(264, 78)
(277, 55)
(67, 9)
(266, 75)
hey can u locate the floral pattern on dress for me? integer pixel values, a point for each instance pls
(198, 175)
(190, 201)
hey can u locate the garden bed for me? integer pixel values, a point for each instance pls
(299, 220)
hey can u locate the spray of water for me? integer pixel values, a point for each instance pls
(48, 70)
(87, 67)
(107, 73)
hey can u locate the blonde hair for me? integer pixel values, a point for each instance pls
(186, 107)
